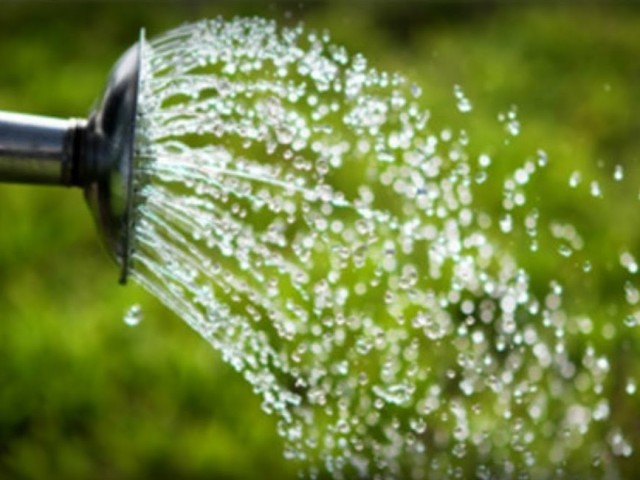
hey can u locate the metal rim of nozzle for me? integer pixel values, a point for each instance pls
(95, 154)
(129, 187)
(110, 134)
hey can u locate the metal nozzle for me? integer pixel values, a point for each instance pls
(94, 154)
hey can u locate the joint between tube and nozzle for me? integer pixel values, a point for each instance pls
(74, 154)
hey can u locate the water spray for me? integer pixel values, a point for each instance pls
(94, 154)
(298, 209)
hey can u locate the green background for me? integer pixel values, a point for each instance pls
(82, 395)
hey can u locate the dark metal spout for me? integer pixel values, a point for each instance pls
(95, 154)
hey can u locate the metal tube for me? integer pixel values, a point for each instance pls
(36, 150)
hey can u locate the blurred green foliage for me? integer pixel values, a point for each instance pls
(82, 395)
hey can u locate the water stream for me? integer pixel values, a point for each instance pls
(304, 213)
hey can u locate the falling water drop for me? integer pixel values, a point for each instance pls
(511, 122)
(595, 189)
(575, 179)
(618, 173)
(463, 103)
(631, 386)
(133, 316)
(628, 261)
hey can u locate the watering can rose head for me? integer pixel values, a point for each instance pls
(95, 154)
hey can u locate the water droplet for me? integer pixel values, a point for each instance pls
(397, 394)
(628, 261)
(632, 320)
(595, 189)
(512, 124)
(463, 103)
(575, 179)
(631, 386)
(506, 223)
(618, 173)
(133, 316)
(631, 293)
(484, 160)
(565, 250)
(543, 158)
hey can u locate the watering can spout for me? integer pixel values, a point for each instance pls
(94, 154)
(39, 150)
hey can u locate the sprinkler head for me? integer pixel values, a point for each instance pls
(108, 158)
(95, 154)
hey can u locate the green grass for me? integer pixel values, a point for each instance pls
(84, 396)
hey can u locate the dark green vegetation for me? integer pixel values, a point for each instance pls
(84, 396)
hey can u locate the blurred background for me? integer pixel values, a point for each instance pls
(83, 395)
